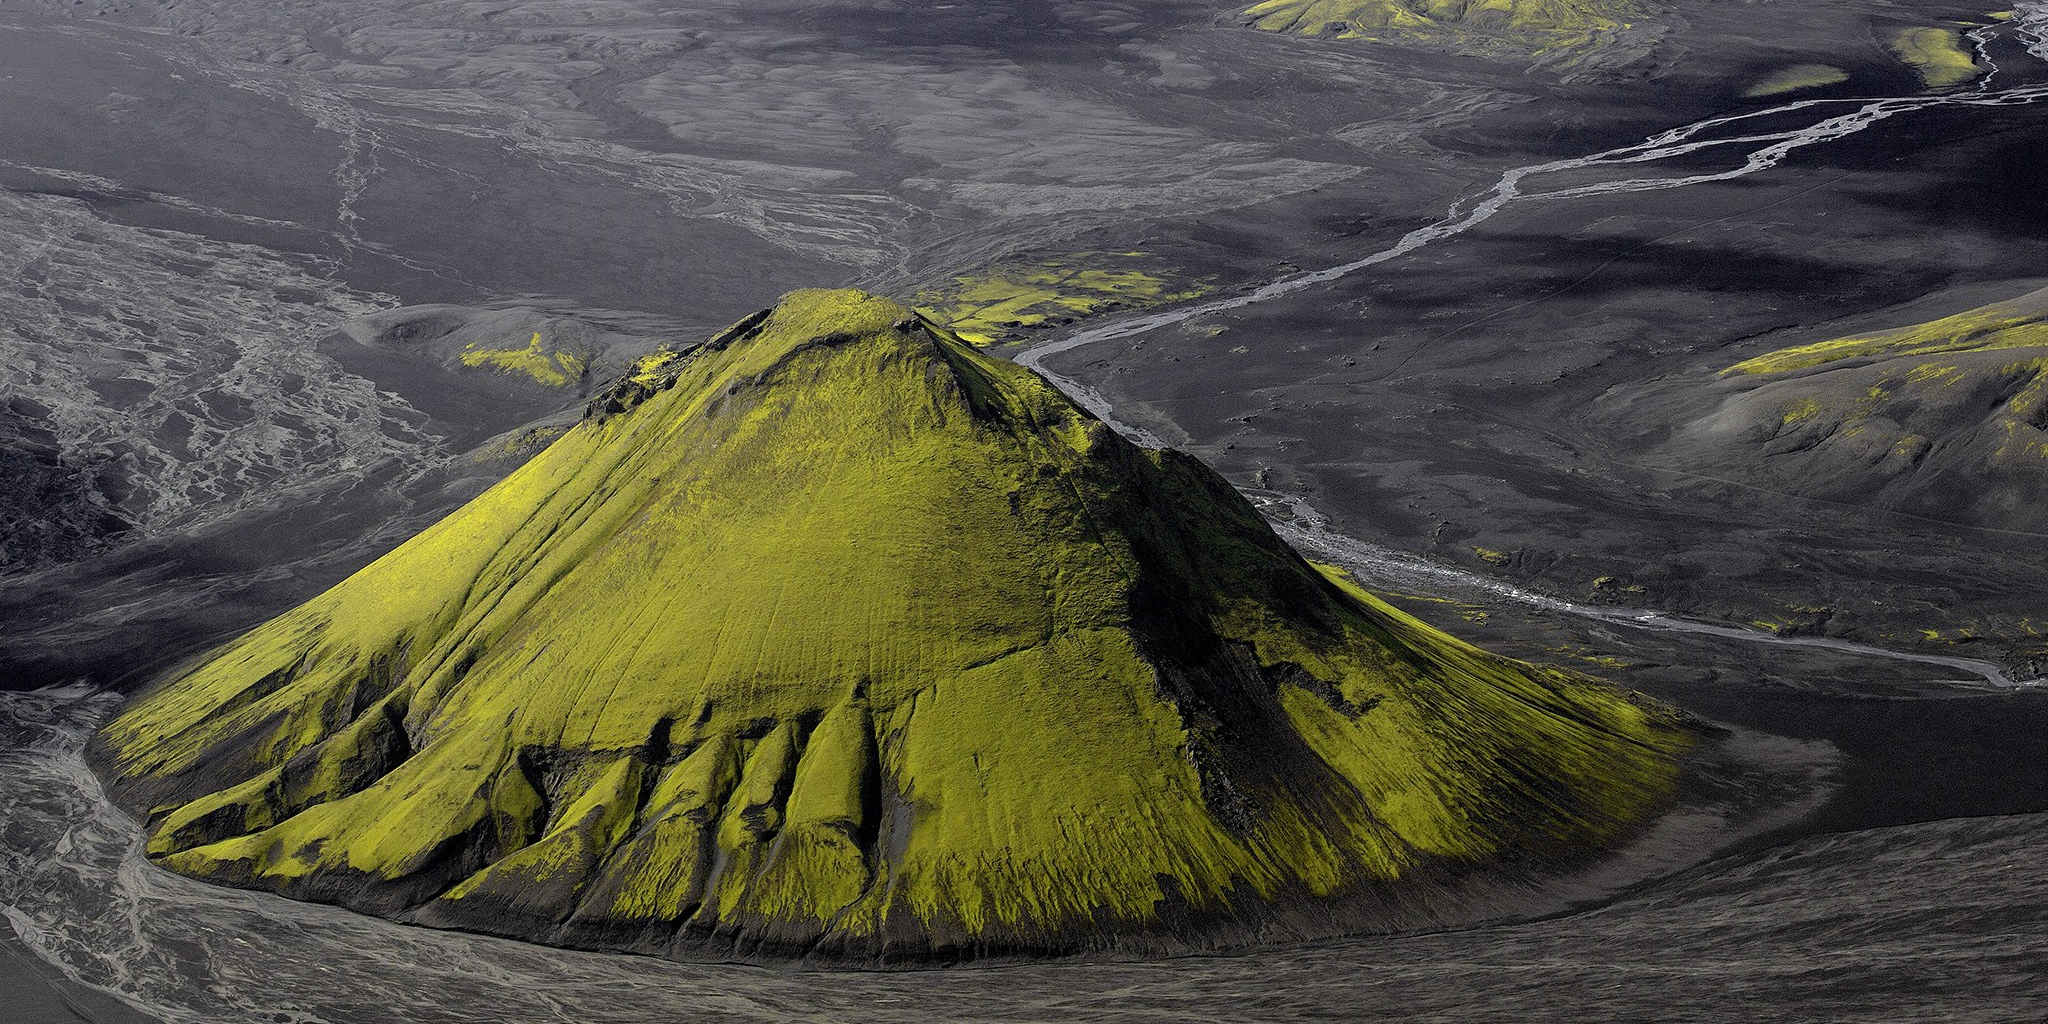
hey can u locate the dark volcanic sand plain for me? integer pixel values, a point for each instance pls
(245, 240)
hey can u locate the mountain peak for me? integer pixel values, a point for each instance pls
(836, 635)
(867, 336)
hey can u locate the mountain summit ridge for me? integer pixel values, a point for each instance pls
(835, 636)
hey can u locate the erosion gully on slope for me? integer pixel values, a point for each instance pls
(1304, 527)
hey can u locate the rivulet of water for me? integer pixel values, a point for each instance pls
(1759, 150)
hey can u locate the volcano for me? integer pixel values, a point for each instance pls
(834, 636)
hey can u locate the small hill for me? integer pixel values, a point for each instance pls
(1947, 418)
(834, 636)
(1501, 27)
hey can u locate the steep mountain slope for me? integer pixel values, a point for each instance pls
(834, 635)
(1947, 418)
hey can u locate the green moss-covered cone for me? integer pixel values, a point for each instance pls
(836, 635)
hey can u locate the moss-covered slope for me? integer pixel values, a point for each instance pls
(836, 635)
(1489, 26)
(1947, 418)
(1005, 302)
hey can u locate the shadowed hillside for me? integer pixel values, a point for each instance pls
(1944, 418)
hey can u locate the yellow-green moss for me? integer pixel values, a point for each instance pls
(651, 368)
(662, 870)
(1005, 302)
(1796, 77)
(1604, 662)
(555, 369)
(1520, 25)
(1799, 412)
(1986, 328)
(590, 825)
(1947, 374)
(847, 624)
(1937, 54)
(2015, 421)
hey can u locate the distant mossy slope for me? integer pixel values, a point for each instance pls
(1506, 26)
(1947, 418)
(556, 369)
(836, 636)
(1005, 302)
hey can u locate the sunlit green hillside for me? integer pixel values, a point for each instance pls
(835, 633)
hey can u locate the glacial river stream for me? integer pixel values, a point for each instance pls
(1751, 148)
